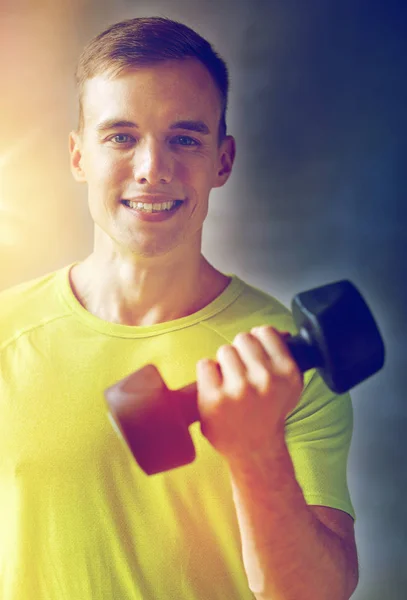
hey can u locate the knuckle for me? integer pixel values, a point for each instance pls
(269, 329)
(269, 384)
(241, 388)
(211, 395)
(264, 329)
(286, 366)
(263, 374)
(289, 368)
(290, 371)
(241, 337)
(238, 389)
(216, 396)
(223, 350)
(264, 379)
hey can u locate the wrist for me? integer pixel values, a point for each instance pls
(262, 459)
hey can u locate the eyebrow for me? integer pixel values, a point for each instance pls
(198, 126)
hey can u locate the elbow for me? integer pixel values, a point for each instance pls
(348, 588)
(352, 583)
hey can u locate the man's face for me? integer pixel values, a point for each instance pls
(134, 143)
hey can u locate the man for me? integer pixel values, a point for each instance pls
(264, 511)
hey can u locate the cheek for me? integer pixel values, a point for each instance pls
(102, 167)
(197, 173)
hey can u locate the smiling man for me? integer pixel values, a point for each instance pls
(148, 150)
(265, 510)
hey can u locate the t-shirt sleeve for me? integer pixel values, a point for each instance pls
(318, 436)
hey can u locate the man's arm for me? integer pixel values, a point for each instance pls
(291, 551)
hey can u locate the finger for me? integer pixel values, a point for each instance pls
(251, 350)
(234, 371)
(274, 344)
(209, 377)
(259, 364)
(285, 334)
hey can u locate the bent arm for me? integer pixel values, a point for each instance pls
(288, 553)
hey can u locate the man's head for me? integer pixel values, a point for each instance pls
(142, 42)
(153, 98)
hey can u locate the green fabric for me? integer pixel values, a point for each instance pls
(79, 520)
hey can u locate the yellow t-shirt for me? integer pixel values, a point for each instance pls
(79, 520)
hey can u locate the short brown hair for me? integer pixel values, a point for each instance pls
(146, 41)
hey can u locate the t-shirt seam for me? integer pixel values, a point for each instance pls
(31, 328)
(206, 325)
(240, 288)
(73, 314)
(213, 328)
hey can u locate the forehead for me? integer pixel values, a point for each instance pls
(168, 90)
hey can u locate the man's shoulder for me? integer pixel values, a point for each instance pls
(25, 305)
(252, 307)
(260, 298)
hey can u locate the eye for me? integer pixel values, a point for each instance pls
(185, 140)
(121, 135)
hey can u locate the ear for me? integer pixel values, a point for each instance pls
(75, 150)
(227, 153)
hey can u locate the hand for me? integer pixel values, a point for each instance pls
(245, 397)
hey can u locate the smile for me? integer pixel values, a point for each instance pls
(150, 207)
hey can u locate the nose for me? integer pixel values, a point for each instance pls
(153, 163)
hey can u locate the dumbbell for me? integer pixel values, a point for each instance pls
(337, 335)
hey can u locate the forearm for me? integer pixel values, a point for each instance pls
(288, 553)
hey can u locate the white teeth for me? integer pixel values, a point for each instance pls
(150, 207)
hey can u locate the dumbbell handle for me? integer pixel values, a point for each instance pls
(304, 353)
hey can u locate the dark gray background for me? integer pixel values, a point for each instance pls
(317, 106)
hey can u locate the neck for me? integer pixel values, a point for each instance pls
(145, 292)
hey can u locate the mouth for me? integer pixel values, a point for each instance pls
(152, 207)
